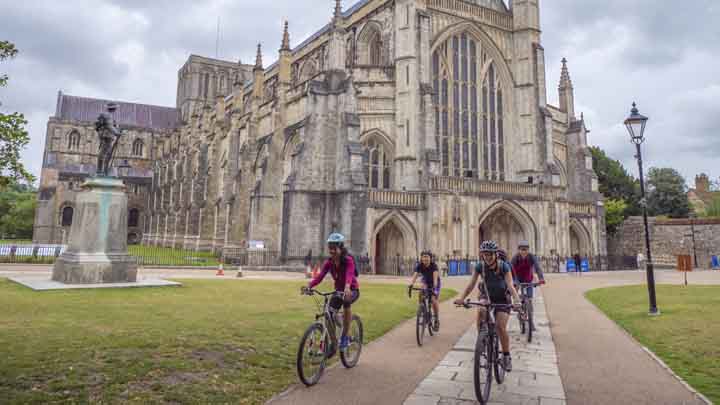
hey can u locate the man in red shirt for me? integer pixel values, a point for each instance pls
(524, 264)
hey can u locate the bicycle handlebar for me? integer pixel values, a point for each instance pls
(313, 291)
(530, 284)
(412, 288)
(486, 304)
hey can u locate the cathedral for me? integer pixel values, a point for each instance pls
(403, 124)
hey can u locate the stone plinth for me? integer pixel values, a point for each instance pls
(97, 248)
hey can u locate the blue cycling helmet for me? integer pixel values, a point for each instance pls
(336, 238)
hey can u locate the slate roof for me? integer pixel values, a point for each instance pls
(129, 114)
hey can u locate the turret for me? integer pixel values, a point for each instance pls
(284, 60)
(336, 45)
(259, 73)
(567, 95)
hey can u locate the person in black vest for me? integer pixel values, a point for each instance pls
(431, 279)
(497, 287)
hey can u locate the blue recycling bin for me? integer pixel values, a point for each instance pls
(715, 262)
(463, 268)
(585, 265)
(571, 266)
(452, 268)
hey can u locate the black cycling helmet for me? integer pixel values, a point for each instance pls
(426, 252)
(489, 246)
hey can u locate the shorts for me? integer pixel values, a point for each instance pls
(337, 302)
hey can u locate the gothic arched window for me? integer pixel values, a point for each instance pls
(375, 49)
(379, 165)
(66, 216)
(308, 71)
(470, 111)
(133, 217)
(73, 140)
(137, 148)
(370, 45)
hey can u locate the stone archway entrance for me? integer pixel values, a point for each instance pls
(503, 228)
(579, 240)
(389, 248)
(507, 224)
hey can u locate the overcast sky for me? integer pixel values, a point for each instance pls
(663, 54)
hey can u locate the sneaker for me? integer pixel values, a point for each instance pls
(344, 343)
(508, 362)
(436, 324)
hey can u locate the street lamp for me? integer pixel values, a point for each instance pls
(635, 124)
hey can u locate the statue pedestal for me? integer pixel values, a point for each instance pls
(97, 250)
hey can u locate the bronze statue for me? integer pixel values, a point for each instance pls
(109, 135)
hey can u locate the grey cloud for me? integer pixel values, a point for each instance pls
(662, 54)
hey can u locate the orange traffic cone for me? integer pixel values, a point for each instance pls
(220, 271)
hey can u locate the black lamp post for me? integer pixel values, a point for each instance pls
(635, 124)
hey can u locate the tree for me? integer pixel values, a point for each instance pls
(13, 136)
(667, 193)
(615, 182)
(17, 212)
(713, 209)
(614, 214)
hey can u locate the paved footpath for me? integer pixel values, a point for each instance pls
(535, 379)
(599, 363)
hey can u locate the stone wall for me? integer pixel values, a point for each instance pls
(669, 238)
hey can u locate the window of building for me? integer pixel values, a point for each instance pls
(375, 49)
(379, 165)
(137, 148)
(133, 217)
(470, 111)
(66, 217)
(73, 140)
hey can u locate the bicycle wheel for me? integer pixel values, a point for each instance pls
(350, 356)
(430, 319)
(312, 355)
(521, 320)
(482, 372)
(498, 362)
(530, 321)
(420, 324)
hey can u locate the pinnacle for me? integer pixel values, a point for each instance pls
(258, 58)
(286, 38)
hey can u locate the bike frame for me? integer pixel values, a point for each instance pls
(325, 316)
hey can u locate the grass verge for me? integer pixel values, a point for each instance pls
(209, 341)
(685, 336)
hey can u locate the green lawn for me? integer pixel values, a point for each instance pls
(160, 256)
(15, 241)
(209, 341)
(687, 334)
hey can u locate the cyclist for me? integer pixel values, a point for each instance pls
(431, 280)
(497, 281)
(341, 267)
(523, 265)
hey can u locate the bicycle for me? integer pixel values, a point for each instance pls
(526, 315)
(320, 341)
(425, 316)
(487, 359)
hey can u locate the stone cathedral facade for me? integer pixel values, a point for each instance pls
(403, 124)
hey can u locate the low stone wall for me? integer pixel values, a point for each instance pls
(668, 239)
